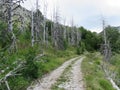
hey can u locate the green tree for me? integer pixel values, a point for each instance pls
(91, 40)
(113, 36)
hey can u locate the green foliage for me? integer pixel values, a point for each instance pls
(91, 40)
(113, 37)
(53, 58)
(115, 60)
(105, 84)
(81, 48)
(35, 69)
(25, 36)
(5, 36)
(31, 70)
(18, 83)
(65, 44)
(117, 45)
(93, 73)
(115, 67)
(49, 24)
(79, 51)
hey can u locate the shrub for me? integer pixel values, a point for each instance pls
(105, 84)
(31, 70)
(80, 50)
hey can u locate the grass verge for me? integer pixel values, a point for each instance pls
(93, 74)
(50, 61)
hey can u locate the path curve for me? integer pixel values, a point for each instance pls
(50, 79)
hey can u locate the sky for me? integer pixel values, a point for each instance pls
(86, 13)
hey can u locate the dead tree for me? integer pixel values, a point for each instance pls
(78, 36)
(32, 30)
(72, 33)
(55, 26)
(45, 14)
(58, 31)
(64, 29)
(47, 36)
(106, 51)
(69, 35)
(9, 8)
(37, 25)
(12, 73)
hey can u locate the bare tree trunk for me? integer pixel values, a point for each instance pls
(45, 14)
(32, 30)
(47, 36)
(104, 31)
(52, 34)
(44, 32)
(10, 26)
(10, 14)
(9, 8)
(106, 53)
(64, 30)
(72, 33)
(37, 22)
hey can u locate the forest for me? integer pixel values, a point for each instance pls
(32, 45)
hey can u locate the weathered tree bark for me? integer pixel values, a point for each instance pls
(64, 29)
(45, 14)
(32, 30)
(9, 8)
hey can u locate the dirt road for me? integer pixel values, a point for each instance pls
(70, 71)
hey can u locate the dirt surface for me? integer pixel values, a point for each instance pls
(74, 77)
(75, 81)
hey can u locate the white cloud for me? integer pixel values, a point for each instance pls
(85, 12)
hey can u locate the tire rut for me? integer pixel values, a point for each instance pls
(73, 78)
(47, 81)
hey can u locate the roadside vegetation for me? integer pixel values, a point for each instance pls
(115, 68)
(34, 68)
(93, 74)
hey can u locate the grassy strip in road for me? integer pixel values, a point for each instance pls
(64, 77)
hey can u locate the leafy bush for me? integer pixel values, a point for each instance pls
(105, 84)
(18, 83)
(115, 60)
(79, 51)
(97, 62)
(65, 44)
(31, 70)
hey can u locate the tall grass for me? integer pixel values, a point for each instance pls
(33, 69)
(93, 74)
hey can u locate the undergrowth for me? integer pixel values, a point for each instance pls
(33, 69)
(94, 76)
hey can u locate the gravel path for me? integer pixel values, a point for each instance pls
(46, 82)
(75, 79)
